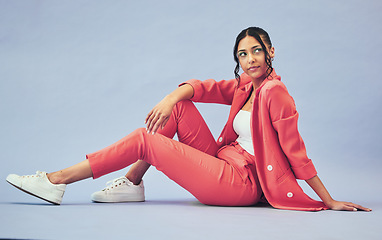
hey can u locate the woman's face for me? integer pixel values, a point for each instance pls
(252, 58)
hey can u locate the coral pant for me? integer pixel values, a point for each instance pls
(225, 176)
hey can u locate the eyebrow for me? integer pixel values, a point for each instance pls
(243, 50)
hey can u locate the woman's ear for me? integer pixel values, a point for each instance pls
(272, 52)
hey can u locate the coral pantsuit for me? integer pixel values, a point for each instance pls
(221, 172)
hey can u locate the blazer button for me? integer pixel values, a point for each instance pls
(289, 194)
(220, 139)
(269, 167)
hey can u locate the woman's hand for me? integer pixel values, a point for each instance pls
(346, 206)
(316, 184)
(159, 115)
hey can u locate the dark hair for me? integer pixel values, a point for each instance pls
(261, 36)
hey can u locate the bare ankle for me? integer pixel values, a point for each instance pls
(55, 178)
(134, 179)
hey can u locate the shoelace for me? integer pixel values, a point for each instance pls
(115, 183)
(38, 174)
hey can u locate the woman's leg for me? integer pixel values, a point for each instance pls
(71, 174)
(137, 171)
(210, 179)
(191, 162)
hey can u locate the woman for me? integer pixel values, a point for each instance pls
(258, 156)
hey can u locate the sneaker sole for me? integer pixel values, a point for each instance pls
(55, 203)
(117, 201)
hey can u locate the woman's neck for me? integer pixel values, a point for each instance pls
(257, 83)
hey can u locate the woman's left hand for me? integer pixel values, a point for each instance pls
(159, 115)
(346, 206)
(316, 184)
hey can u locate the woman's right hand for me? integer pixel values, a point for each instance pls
(159, 115)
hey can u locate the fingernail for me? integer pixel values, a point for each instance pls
(153, 133)
(354, 209)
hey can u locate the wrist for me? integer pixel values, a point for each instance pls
(330, 202)
(171, 99)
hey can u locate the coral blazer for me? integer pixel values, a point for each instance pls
(280, 154)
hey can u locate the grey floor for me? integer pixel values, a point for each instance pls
(184, 218)
(181, 219)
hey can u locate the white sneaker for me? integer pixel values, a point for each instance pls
(39, 186)
(120, 190)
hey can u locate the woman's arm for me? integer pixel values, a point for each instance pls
(316, 184)
(211, 91)
(160, 114)
(284, 118)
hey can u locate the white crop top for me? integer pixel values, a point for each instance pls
(242, 127)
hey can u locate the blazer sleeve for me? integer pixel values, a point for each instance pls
(284, 117)
(211, 91)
